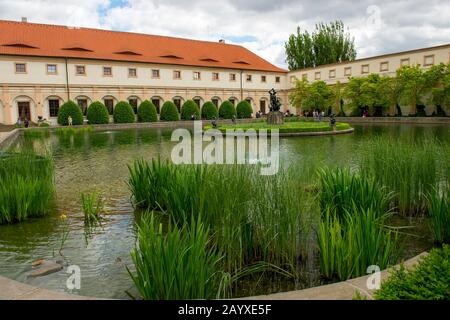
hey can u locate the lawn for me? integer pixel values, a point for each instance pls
(287, 127)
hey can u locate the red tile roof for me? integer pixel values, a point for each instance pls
(31, 39)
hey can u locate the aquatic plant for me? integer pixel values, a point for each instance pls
(349, 245)
(92, 206)
(181, 263)
(410, 168)
(236, 203)
(439, 211)
(26, 186)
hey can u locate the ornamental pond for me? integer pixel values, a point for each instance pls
(97, 161)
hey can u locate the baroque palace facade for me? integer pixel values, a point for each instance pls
(43, 66)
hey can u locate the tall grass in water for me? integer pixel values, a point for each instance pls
(350, 244)
(439, 211)
(26, 186)
(409, 168)
(252, 218)
(351, 232)
(340, 189)
(180, 264)
(92, 206)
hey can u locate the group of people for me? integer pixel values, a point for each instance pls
(26, 122)
(316, 114)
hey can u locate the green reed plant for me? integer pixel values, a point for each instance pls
(252, 218)
(410, 168)
(182, 263)
(26, 186)
(36, 133)
(92, 207)
(67, 131)
(439, 211)
(340, 189)
(350, 244)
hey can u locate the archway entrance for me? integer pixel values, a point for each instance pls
(23, 110)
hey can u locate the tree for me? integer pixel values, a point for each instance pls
(414, 85)
(390, 88)
(299, 94)
(319, 96)
(337, 96)
(353, 92)
(329, 43)
(371, 96)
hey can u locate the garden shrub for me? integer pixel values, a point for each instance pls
(123, 113)
(209, 111)
(244, 110)
(70, 108)
(147, 112)
(227, 110)
(97, 113)
(429, 280)
(188, 109)
(169, 112)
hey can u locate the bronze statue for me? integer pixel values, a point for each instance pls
(275, 104)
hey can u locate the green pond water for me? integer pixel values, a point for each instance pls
(98, 161)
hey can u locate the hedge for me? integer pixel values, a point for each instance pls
(429, 280)
(70, 108)
(227, 110)
(209, 111)
(188, 109)
(169, 112)
(97, 113)
(146, 112)
(123, 113)
(244, 110)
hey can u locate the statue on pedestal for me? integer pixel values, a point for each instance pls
(275, 116)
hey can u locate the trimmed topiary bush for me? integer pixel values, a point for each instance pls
(70, 108)
(123, 113)
(97, 113)
(227, 110)
(188, 109)
(209, 111)
(169, 112)
(147, 112)
(244, 110)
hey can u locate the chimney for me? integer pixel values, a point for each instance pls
(221, 41)
(24, 19)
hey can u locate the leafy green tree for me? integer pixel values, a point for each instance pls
(440, 75)
(299, 94)
(329, 43)
(353, 92)
(390, 88)
(414, 85)
(337, 97)
(371, 96)
(319, 96)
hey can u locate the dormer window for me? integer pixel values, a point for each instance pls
(20, 45)
(77, 49)
(128, 52)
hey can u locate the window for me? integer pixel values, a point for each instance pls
(365, 68)
(262, 106)
(156, 102)
(134, 104)
(317, 75)
(109, 104)
(248, 78)
(215, 76)
(263, 78)
(177, 74)
(155, 73)
(232, 101)
(82, 103)
(196, 75)
(277, 79)
(51, 69)
(428, 60)
(132, 72)
(53, 106)
(347, 71)
(404, 62)
(215, 102)
(21, 68)
(177, 102)
(232, 76)
(384, 66)
(332, 73)
(80, 70)
(107, 71)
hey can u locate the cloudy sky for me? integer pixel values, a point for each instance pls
(263, 26)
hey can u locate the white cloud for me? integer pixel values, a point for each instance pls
(404, 24)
